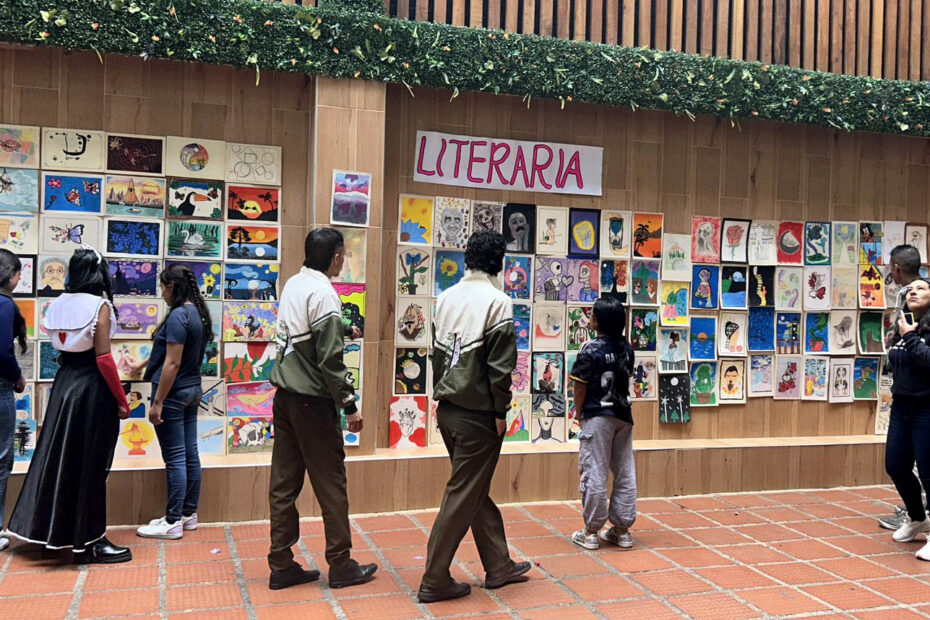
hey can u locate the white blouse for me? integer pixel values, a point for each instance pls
(71, 321)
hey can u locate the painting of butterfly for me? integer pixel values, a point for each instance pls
(62, 234)
(72, 192)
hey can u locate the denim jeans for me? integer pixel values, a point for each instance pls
(909, 440)
(7, 427)
(177, 436)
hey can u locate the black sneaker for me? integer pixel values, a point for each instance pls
(894, 521)
(353, 575)
(293, 576)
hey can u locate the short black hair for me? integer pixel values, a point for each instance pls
(610, 315)
(485, 252)
(731, 368)
(320, 247)
(907, 257)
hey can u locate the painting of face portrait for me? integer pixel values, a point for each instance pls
(486, 216)
(451, 220)
(705, 239)
(552, 231)
(732, 376)
(520, 228)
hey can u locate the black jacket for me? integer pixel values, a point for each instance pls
(910, 366)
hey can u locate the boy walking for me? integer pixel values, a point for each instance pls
(601, 376)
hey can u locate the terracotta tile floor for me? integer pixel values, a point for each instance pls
(809, 553)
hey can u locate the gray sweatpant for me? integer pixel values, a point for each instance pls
(606, 443)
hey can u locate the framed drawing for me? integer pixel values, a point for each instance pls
(734, 241)
(415, 220)
(704, 384)
(20, 146)
(761, 380)
(583, 226)
(73, 193)
(251, 242)
(134, 196)
(195, 158)
(615, 234)
(253, 163)
(450, 221)
(732, 381)
(552, 231)
(486, 216)
(73, 149)
(61, 233)
(19, 190)
(197, 199)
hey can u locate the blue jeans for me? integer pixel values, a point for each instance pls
(177, 436)
(7, 426)
(909, 441)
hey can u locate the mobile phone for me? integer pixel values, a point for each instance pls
(908, 318)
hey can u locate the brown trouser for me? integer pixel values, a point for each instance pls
(307, 436)
(474, 446)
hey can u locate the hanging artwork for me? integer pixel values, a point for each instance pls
(520, 227)
(615, 278)
(136, 278)
(892, 236)
(615, 234)
(44, 305)
(870, 338)
(788, 333)
(413, 270)
(871, 287)
(352, 297)
(552, 279)
(816, 369)
(552, 231)
(486, 216)
(870, 243)
(27, 277)
(734, 240)
(817, 293)
(647, 235)
(816, 332)
(817, 239)
(732, 381)
(885, 398)
(789, 247)
(139, 397)
(583, 228)
(135, 154)
(523, 325)
(761, 380)
(644, 282)
(548, 429)
(195, 157)
(916, 235)
(407, 428)
(673, 350)
(763, 249)
(127, 356)
(137, 319)
(891, 287)
(761, 334)
(250, 204)
(415, 220)
(733, 293)
(844, 288)
(194, 239)
(521, 377)
(644, 380)
(643, 324)
(843, 332)
(250, 399)
(579, 327)
(249, 435)
(19, 233)
(788, 288)
(26, 359)
(450, 269)
(548, 327)
(50, 279)
(212, 398)
(840, 384)
(673, 305)
(451, 222)
(355, 252)
(518, 276)
(585, 280)
(27, 308)
(137, 440)
(412, 322)
(351, 199)
(20, 146)
(253, 163)
(75, 193)
(210, 280)
(548, 372)
(705, 239)
(73, 149)
(19, 190)
(352, 357)
(24, 438)
(704, 384)
(211, 438)
(518, 420)
(676, 257)
(195, 199)
(761, 287)
(245, 321)
(63, 234)
(865, 378)
(731, 339)
(788, 377)
(247, 242)
(134, 196)
(674, 398)
(705, 287)
(252, 282)
(132, 238)
(48, 361)
(844, 244)
(703, 341)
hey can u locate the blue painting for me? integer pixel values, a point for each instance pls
(19, 190)
(48, 361)
(705, 286)
(450, 268)
(208, 275)
(72, 192)
(761, 329)
(817, 332)
(135, 278)
(518, 276)
(255, 282)
(788, 333)
(24, 440)
(211, 437)
(583, 227)
(733, 287)
(133, 237)
(703, 342)
(522, 325)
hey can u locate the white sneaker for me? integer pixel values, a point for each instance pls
(160, 528)
(190, 523)
(611, 535)
(924, 552)
(583, 539)
(4, 542)
(910, 530)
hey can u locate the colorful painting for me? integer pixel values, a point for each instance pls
(734, 241)
(248, 361)
(24, 439)
(788, 288)
(788, 333)
(843, 332)
(415, 220)
(790, 250)
(135, 196)
(518, 276)
(523, 325)
(548, 371)
(412, 322)
(133, 238)
(865, 378)
(733, 293)
(410, 371)
(63, 234)
(761, 381)
(195, 157)
(451, 222)
(27, 307)
(647, 235)
(552, 279)
(871, 235)
(844, 244)
(139, 396)
(732, 381)
(137, 319)
(552, 231)
(19, 190)
(73, 149)
(252, 204)
(892, 236)
(53, 272)
(547, 430)
(518, 417)
(252, 282)
(585, 276)
(579, 327)
(761, 286)
(643, 325)
(705, 287)
(817, 293)
(871, 287)
(352, 358)
(788, 377)
(450, 269)
(249, 434)
(407, 427)
(355, 252)
(673, 308)
(676, 257)
(675, 399)
(845, 287)
(19, 233)
(250, 399)
(20, 146)
(763, 249)
(352, 297)
(916, 235)
(520, 227)
(48, 361)
(583, 225)
(673, 350)
(644, 282)
(892, 288)
(731, 339)
(137, 440)
(209, 278)
(644, 381)
(870, 337)
(705, 239)
(135, 278)
(44, 305)
(245, 243)
(195, 199)
(548, 327)
(704, 384)
(413, 270)
(26, 287)
(817, 239)
(816, 332)
(486, 216)
(840, 384)
(521, 377)
(885, 398)
(816, 370)
(703, 342)
(615, 234)
(136, 154)
(761, 334)
(128, 356)
(212, 398)
(615, 278)
(211, 436)
(245, 321)
(210, 364)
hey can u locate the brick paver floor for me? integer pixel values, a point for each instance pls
(748, 555)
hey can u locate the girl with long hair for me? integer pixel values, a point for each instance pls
(174, 370)
(12, 332)
(63, 503)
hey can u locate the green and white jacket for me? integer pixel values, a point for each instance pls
(474, 348)
(310, 340)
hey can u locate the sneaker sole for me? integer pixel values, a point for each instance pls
(190, 528)
(888, 526)
(161, 536)
(587, 546)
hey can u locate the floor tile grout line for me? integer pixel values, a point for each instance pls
(78, 590)
(325, 590)
(162, 565)
(241, 582)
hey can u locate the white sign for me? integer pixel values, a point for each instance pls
(518, 165)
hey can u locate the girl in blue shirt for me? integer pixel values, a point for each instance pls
(12, 328)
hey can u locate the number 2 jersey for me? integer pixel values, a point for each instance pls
(604, 365)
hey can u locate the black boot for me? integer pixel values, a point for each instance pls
(352, 575)
(103, 552)
(293, 576)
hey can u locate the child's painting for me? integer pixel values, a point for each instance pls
(703, 342)
(731, 339)
(195, 199)
(705, 239)
(615, 278)
(673, 350)
(412, 322)
(246, 321)
(137, 440)
(548, 405)
(816, 371)
(135, 154)
(130, 238)
(518, 420)
(355, 248)
(518, 276)
(579, 327)
(675, 398)
(413, 270)
(761, 286)
(871, 341)
(407, 427)
(704, 384)
(552, 231)
(63, 234)
(789, 246)
(892, 236)
(127, 356)
(26, 359)
(676, 257)
(209, 276)
(817, 332)
(451, 223)
(198, 240)
(763, 249)
(48, 361)
(760, 381)
(249, 434)
(865, 378)
(644, 282)
(73, 149)
(548, 429)
(552, 279)
(26, 287)
(486, 216)
(53, 271)
(548, 327)
(673, 308)
(548, 371)
(871, 287)
(521, 377)
(137, 319)
(892, 288)
(916, 235)
(585, 279)
(817, 293)
(644, 380)
(252, 281)
(520, 227)
(788, 288)
(44, 305)
(615, 234)
(252, 204)
(248, 361)
(788, 377)
(27, 308)
(415, 220)
(844, 243)
(817, 244)
(450, 269)
(211, 436)
(840, 385)
(351, 201)
(761, 334)
(139, 397)
(871, 235)
(733, 293)
(643, 325)
(843, 332)
(583, 225)
(647, 235)
(135, 278)
(523, 325)
(352, 357)
(788, 333)
(253, 163)
(705, 287)
(732, 381)
(352, 297)
(212, 398)
(19, 190)
(845, 287)
(885, 398)
(19, 233)
(734, 241)
(135, 196)
(198, 158)
(250, 242)
(250, 399)
(24, 439)
(20, 146)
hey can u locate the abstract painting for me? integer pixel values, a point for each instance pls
(673, 350)
(248, 361)
(817, 293)
(583, 226)
(48, 361)
(843, 332)
(24, 438)
(137, 440)
(197, 199)
(865, 378)
(521, 377)
(137, 319)
(486, 216)
(704, 384)
(19, 190)
(518, 276)
(673, 307)
(788, 333)
(75, 193)
(73, 149)
(520, 227)
(647, 235)
(705, 287)
(733, 293)
(644, 282)
(50, 279)
(253, 163)
(615, 234)
(407, 426)
(761, 286)
(19, 233)
(252, 204)
(761, 334)
(788, 377)
(761, 380)
(136, 278)
(415, 220)
(248, 242)
(450, 221)
(790, 250)
(249, 435)
(643, 325)
(732, 381)
(127, 355)
(703, 342)
(870, 337)
(734, 240)
(195, 157)
(644, 381)
(213, 398)
(817, 239)
(731, 339)
(871, 287)
(412, 322)
(518, 417)
(523, 325)
(63, 234)
(245, 321)
(705, 239)
(134, 196)
(252, 281)
(133, 238)
(552, 279)
(27, 277)
(548, 327)
(552, 231)
(844, 245)
(20, 146)
(871, 235)
(355, 248)
(579, 327)
(250, 399)
(816, 332)
(586, 280)
(135, 154)
(209, 275)
(845, 288)
(763, 249)
(615, 277)
(840, 384)
(788, 288)
(676, 257)
(816, 371)
(27, 308)
(413, 270)
(352, 297)
(548, 372)
(675, 399)
(449, 270)
(410, 371)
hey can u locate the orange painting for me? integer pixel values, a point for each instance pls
(27, 308)
(647, 235)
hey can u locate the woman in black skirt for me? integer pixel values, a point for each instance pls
(63, 503)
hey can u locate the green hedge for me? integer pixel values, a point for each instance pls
(362, 44)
